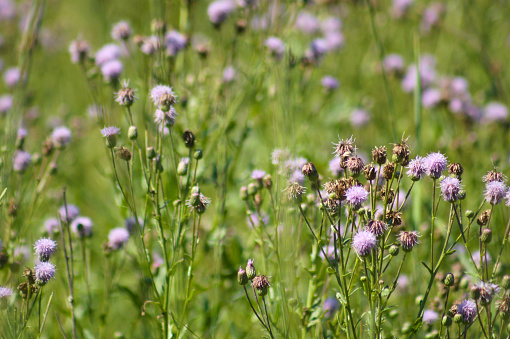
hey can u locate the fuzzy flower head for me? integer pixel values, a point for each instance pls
(229, 74)
(331, 305)
(435, 164)
(165, 118)
(68, 213)
(330, 83)
(61, 137)
(126, 95)
(294, 192)
(356, 196)
(307, 23)
(107, 53)
(494, 175)
(79, 50)
(163, 97)
(12, 76)
(132, 224)
(220, 10)
(495, 192)
(121, 31)
(258, 174)
(21, 161)
(44, 272)
(82, 226)
(5, 103)
(44, 248)
(198, 201)
(275, 46)
(487, 292)
(494, 112)
(450, 189)
(377, 227)
(110, 133)
(175, 42)
(280, 156)
(364, 242)
(408, 240)
(430, 316)
(117, 238)
(111, 70)
(261, 284)
(467, 308)
(393, 64)
(416, 168)
(359, 118)
(52, 225)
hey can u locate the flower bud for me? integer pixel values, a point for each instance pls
(243, 193)
(310, 172)
(250, 270)
(189, 139)
(484, 217)
(363, 279)
(447, 321)
(267, 181)
(470, 214)
(458, 318)
(379, 155)
(151, 152)
(432, 335)
(486, 236)
(182, 168)
(123, 153)
(132, 133)
(475, 292)
(394, 249)
(252, 189)
(461, 195)
(111, 141)
(242, 277)
(505, 282)
(198, 154)
(369, 172)
(449, 280)
(293, 302)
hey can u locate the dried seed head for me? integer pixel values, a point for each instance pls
(484, 217)
(494, 175)
(294, 192)
(261, 284)
(123, 153)
(455, 169)
(388, 170)
(369, 172)
(189, 139)
(390, 196)
(379, 155)
(401, 151)
(355, 166)
(394, 218)
(310, 172)
(344, 146)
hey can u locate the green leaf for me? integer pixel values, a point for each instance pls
(428, 269)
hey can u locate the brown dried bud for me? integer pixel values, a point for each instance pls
(23, 290)
(189, 139)
(455, 169)
(369, 172)
(400, 151)
(310, 171)
(390, 196)
(388, 170)
(123, 153)
(355, 166)
(12, 209)
(394, 218)
(29, 274)
(344, 146)
(494, 176)
(484, 217)
(379, 155)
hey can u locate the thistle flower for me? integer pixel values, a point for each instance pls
(416, 169)
(275, 46)
(150, 45)
(435, 164)
(5, 294)
(229, 74)
(343, 147)
(250, 269)
(257, 174)
(44, 272)
(495, 192)
(5, 103)
(261, 284)
(121, 31)
(330, 83)
(68, 213)
(400, 7)
(12, 76)
(318, 48)
(82, 226)
(131, 224)
(165, 118)
(393, 64)
(307, 23)
(198, 201)
(334, 40)
(110, 133)
(450, 189)
(493, 175)
(430, 316)
(377, 227)
(334, 167)
(331, 24)
(431, 97)
(126, 95)
(220, 10)
(107, 53)
(111, 70)
(294, 192)
(364, 242)
(117, 238)
(279, 156)
(52, 225)
(21, 161)
(494, 111)
(79, 50)
(175, 42)
(61, 137)
(487, 292)
(330, 306)
(163, 97)
(44, 248)
(359, 118)
(468, 310)
(408, 240)
(242, 277)
(356, 196)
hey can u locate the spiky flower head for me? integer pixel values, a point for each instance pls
(117, 238)
(52, 225)
(275, 46)
(82, 226)
(261, 284)
(126, 95)
(167, 118)
(61, 137)
(79, 50)
(294, 192)
(355, 166)
(112, 70)
(356, 196)
(450, 189)
(344, 146)
(68, 212)
(379, 155)
(468, 310)
(430, 316)
(44, 272)
(369, 171)
(364, 242)
(121, 31)
(377, 227)
(110, 133)
(12, 76)
(198, 201)
(331, 305)
(416, 169)
(487, 292)
(21, 161)
(163, 97)
(44, 248)
(408, 240)
(5, 294)
(494, 175)
(495, 192)
(435, 164)
(220, 10)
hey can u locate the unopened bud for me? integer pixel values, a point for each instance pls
(252, 189)
(198, 154)
(243, 193)
(132, 133)
(486, 236)
(447, 321)
(242, 277)
(475, 292)
(449, 280)
(189, 139)
(470, 214)
(310, 172)
(505, 282)
(458, 318)
(151, 152)
(394, 249)
(250, 270)
(182, 168)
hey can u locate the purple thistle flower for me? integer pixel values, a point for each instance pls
(334, 40)
(468, 309)
(110, 131)
(79, 50)
(68, 213)
(450, 189)
(297, 177)
(408, 240)
(431, 16)
(150, 45)
(487, 292)
(258, 174)
(5, 103)
(44, 272)
(359, 118)
(331, 305)
(431, 97)
(219, 11)
(400, 7)
(12, 76)
(495, 192)
(107, 53)
(157, 92)
(356, 196)
(318, 48)
(5, 294)
(279, 156)
(165, 118)
(131, 224)
(276, 46)
(364, 242)
(334, 167)
(22, 160)
(61, 136)
(307, 23)
(331, 24)
(52, 225)
(429, 317)
(7, 10)
(118, 237)
(330, 83)
(175, 42)
(495, 111)
(435, 164)
(393, 64)
(121, 31)
(229, 74)
(21, 133)
(416, 168)
(111, 70)
(44, 248)
(82, 226)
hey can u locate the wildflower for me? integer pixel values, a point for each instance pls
(52, 225)
(12, 76)
(435, 164)
(318, 48)
(163, 97)
(334, 167)
(379, 155)
(377, 227)
(111, 70)
(250, 269)
(44, 248)
(275, 46)
(393, 64)
(430, 316)
(132, 224)
(408, 240)
(68, 213)
(175, 42)
(400, 7)
(343, 147)
(330, 83)
(165, 118)
(21, 161)
(107, 53)
(219, 11)
(258, 174)
(110, 133)
(229, 74)
(197, 200)
(5, 103)
(5, 294)
(359, 118)
(150, 45)
(79, 50)
(334, 40)
(494, 111)
(44, 272)
(82, 226)
(126, 95)
(467, 309)
(450, 189)
(431, 16)
(493, 175)
(294, 192)
(307, 23)
(242, 277)
(495, 192)
(279, 156)
(431, 97)
(416, 169)
(356, 196)
(117, 238)
(364, 242)
(261, 284)
(330, 306)
(487, 292)
(121, 31)
(331, 24)
(61, 137)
